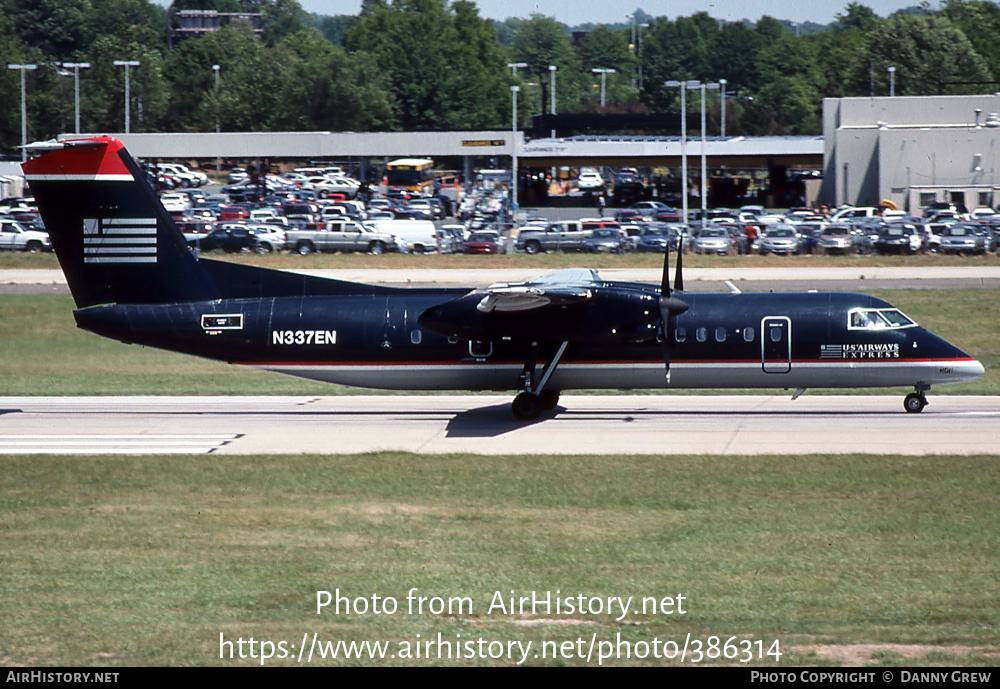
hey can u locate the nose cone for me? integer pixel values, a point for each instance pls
(958, 367)
(973, 369)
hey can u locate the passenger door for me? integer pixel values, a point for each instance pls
(776, 344)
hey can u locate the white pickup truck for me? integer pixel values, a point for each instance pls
(16, 237)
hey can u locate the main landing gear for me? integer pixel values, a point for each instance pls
(535, 398)
(916, 401)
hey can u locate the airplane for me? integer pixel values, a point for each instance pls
(135, 280)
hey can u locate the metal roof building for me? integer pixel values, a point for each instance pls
(911, 150)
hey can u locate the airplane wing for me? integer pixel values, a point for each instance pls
(566, 305)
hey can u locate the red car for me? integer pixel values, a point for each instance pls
(233, 213)
(482, 242)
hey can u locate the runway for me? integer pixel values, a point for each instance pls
(482, 424)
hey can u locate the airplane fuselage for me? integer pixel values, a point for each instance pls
(375, 340)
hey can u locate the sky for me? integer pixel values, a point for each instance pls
(575, 12)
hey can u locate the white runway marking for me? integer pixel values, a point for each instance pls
(102, 444)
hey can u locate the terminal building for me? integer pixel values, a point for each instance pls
(912, 151)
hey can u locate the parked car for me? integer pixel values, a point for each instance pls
(836, 239)
(898, 238)
(655, 238)
(482, 242)
(606, 240)
(712, 240)
(233, 239)
(962, 239)
(450, 238)
(781, 239)
(589, 180)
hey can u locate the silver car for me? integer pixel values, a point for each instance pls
(712, 240)
(781, 239)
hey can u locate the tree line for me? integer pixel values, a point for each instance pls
(433, 64)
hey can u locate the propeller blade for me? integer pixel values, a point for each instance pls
(669, 305)
(665, 278)
(679, 274)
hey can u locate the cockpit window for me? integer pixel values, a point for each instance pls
(877, 319)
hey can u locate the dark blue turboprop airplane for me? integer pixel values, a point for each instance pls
(135, 280)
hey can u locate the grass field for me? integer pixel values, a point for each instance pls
(139, 561)
(843, 560)
(45, 354)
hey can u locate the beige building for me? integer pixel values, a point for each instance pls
(911, 150)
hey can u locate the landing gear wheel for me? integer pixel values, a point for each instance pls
(915, 403)
(549, 399)
(526, 406)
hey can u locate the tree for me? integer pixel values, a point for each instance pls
(438, 80)
(103, 105)
(57, 28)
(605, 48)
(858, 17)
(930, 54)
(980, 22)
(329, 89)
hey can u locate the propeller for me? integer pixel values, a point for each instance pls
(671, 306)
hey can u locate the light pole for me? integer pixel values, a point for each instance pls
(604, 73)
(684, 161)
(639, 52)
(514, 65)
(892, 82)
(513, 145)
(76, 67)
(24, 109)
(552, 89)
(218, 126)
(633, 44)
(126, 64)
(722, 108)
(704, 169)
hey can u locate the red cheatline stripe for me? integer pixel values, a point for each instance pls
(757, 362)
(87, 161)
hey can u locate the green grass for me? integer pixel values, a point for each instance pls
(139, 561)
(45, 354)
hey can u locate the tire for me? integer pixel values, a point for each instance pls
(264, 248)
(33, 247)
(377, 248)
(914, 403)
(305, 248)
(526, 407)
(532, 248)
(549, 399)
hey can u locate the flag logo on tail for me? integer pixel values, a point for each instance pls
(119, 240)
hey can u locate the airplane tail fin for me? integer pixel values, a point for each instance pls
(114, 240)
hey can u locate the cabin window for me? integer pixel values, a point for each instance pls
(877, 319)
(776, 333)
(415, 336)
(720, 334)
(748, 334)
(680, 334)
(701, 334)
